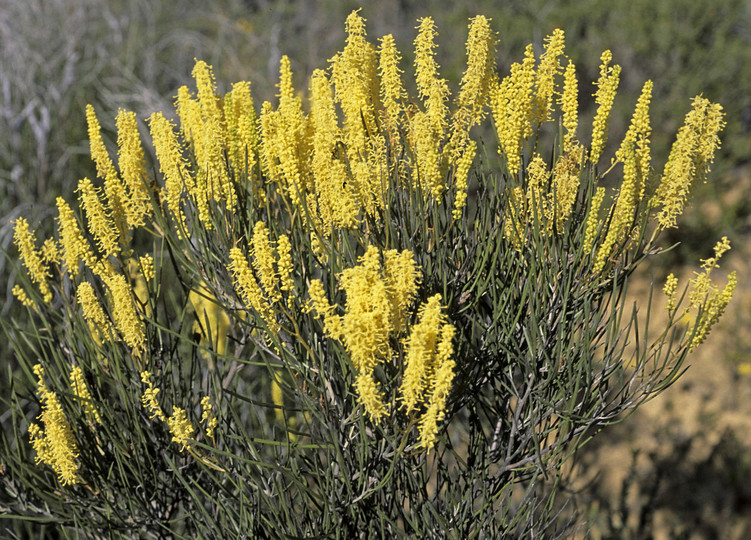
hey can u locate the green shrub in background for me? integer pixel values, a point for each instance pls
(301, 325)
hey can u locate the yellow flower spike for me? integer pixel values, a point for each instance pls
(670, 289)
(124, 312)
(92, 309)
(392, 90)
(607, 85)
(51, 251)
(320, 304)
(593, 219)
(173, 167)
(690, 155)
(75, 247)
(104, 165)
(714, 309)
(402, 277)
(565, 186)
(249, 290)
(56, 445)
(461, 178)
(100, 223)
(638, 134)
(369, 395)
(431, 88)
(207, 98)
(149, 398)
(263, 261)
(443, 377)
(208, 416)
(475, 84)
(420, 354)
(624, 208)
(337, 205)
(210, 132)
(132, 168)
(22, 297)
(240, 117)
(366, 322)
(291, 144)
(117, 199)
(25, 240)
(511, 104)
(547, 71)
(425, 146)
(81, 391)
(181, 428)
(538, 177)
(191, 123)
(569, 103)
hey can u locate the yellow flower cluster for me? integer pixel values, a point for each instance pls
(705, 299)
(692, 153)
(607, 85)
(38, 270)
(180, 426)
(429, 368)
(379, 290)
(55, 445)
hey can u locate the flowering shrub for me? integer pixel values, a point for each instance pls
(350, 316)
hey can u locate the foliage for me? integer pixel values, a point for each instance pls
(354, 320)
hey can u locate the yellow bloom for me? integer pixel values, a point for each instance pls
(318, 302)
(565, 186)
(638, 134)
(240, 117)
(420, 355)
(671, 286)
(132, 168)
(475, 83)
(425, 145)
(370, 395)
(570, 106)
(402, 277)
(149, 398)
(511, 104)
(431, 88)
(100, 223)
(546, 72)
(337, 204)
(56, 445)
(208, 416)
(607, 85)
(92, 309)
(690, 156)
(25, 241)
(81, 391)
(124, 312)
(392, 90)
(75, 247)
(181, 428)
(51, 251)
(249, 290)
(104, 165)
(173, 167)
(443, 377)
(263, 261)
(22, 297)
(461, 178)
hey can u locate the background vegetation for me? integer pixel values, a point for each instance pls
(135, 54)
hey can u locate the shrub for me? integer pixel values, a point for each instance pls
(350, 318)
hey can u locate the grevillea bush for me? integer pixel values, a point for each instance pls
(344, 315)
